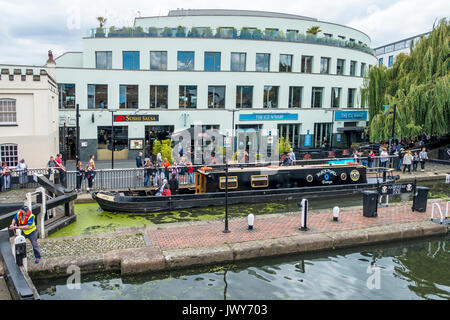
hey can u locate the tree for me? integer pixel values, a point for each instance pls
(418, 84)
(165, 148)
(102, 21)
(284, 145)
(314, 30)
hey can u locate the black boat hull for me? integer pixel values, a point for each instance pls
(143, 204)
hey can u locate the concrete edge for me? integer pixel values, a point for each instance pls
(153, 259)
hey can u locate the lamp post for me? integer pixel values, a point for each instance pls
(77, 121)
(232, 129)
(112, 139)
(226, 197)
(391, 141)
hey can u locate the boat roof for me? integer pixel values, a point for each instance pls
(283, 168)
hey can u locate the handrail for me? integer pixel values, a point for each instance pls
(436, 205)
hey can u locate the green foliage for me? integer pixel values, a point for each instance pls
(283, 145)
(418, 84)
(314, 30)
(165, 148)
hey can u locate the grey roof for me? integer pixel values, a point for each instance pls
(229, 12)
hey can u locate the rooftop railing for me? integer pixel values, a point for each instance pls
(226, 33)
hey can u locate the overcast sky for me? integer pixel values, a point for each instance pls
(29, 28)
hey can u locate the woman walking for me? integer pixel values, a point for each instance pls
(7, 177)
(415, 161)
(423, 156)
(407, 160)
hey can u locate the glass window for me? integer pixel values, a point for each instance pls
(292, 132)
(128, 98)
(216, 96)
(270, 97)
(351, 98)
(8, 111)
(104, 138)
(285, 63)
(335, 97)
(66, 95)
(328, 35)
(9, 154)
(316, 97)
(212, 61)
(103, 59)
(238, 61)
(353, 68)
(97, 96)
(340, 65)
(363, 69)
(187, 97)
(307, 64)
(244, 96)
(390, 61)
(158, 60)
(130, 60)
(295, 97)
(185, 60)
(158, 96)
(262, 61)
(341, 37)
(324, 65)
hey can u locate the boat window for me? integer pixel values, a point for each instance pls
(232, 182)
(260, 181)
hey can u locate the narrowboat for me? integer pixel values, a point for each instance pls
(247, 185)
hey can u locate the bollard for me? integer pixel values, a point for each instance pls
(304, 205)
(20, 249)
(336, 214)
(251, 220)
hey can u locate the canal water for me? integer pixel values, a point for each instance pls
(91, 219)
(408, 270)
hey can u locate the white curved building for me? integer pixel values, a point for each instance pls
(195, 66)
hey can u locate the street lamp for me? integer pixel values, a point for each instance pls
(226, 190)
(391, 141)
(232, 129)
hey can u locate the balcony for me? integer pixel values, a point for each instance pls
(225, 33)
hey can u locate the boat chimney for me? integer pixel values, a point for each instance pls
(251, 220)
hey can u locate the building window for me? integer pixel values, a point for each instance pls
(316, 97)
(292, 132)
(307, 64)
(185, 60)
(353, 68)
(66, 95)
(8, 113)
(187, 97)
(380, 62)
(328, 35)
(216, 96)
(238, 61)
(285, 63)
(390, 61)
(295, 97)
(244, 96)
(324, 65)
(128, 97)
(158, 96)
(263, 62)
(341, 37)
(335, 97)
(322, 134)
(351, 98)
(363, 69)
(212, 61)
(105, 145)
(9, 154)
(158, 60)
(130, 60)
(103, 59)
(97, 96)
(270, 97)
(340, 65)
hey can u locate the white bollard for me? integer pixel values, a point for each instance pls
(304, 206)
(251, 221)
(336, 213)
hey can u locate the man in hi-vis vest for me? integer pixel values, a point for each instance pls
(25, 221)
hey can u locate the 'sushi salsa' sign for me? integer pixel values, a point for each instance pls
(127, 118)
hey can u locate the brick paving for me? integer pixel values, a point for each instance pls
(279, 226)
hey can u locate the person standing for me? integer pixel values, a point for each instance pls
(365, 158)
(80, 175)
(92, 164)
(6, 176)
(415, 161)
(1, 176)
(49, 167)
(173, 183)
(292, 158)
(384, 158)
(423, 156)
(89, 175)
(160, 169)
(147, 172)
(139, 165)
(25, 221)
(22, 168)
(190, 170)
(61, 169)
(407, 160)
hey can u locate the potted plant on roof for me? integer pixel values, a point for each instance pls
(245, 33)
(291, 35)
(257, 34)
(194, 33)
(139, 32)
(207, 33)
(125, 32)
(112, 32)
(234, 33)
(280, 35)
(167, 32)
(311, 33)
(181, 32)
(100, 33)
(152, 32)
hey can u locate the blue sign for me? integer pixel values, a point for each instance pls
(268, 116)
(338, 137)
(308, 140)
(350, 116)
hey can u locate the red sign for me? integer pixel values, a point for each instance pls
(119, 118)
